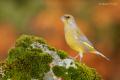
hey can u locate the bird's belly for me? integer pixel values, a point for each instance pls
(72, 42)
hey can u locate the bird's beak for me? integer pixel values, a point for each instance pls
(62, 18)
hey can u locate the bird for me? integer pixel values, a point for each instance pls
(76, 39)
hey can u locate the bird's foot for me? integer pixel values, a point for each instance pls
(80, 57)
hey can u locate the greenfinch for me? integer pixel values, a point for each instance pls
(76, 39)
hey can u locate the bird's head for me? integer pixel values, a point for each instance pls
(67, 19)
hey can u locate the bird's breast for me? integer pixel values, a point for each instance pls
(72, 40)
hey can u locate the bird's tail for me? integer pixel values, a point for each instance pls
(99, 53)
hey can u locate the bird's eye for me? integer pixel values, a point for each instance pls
(67, 17)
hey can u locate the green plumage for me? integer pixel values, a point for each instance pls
(76, 39)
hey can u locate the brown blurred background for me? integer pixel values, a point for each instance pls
(98, 19)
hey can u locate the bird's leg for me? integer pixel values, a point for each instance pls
(80, 55)
(76, 56)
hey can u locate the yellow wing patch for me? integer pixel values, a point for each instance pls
(91, 47)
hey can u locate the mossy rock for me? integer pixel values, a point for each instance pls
(81, 73)
(33, 58)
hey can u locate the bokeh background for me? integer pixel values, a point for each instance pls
(98, 19)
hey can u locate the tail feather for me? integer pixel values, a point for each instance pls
(98, 53)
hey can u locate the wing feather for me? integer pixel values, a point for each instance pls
(81, 37)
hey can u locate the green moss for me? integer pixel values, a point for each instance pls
(62, 54)
(82, 72)
(25, 62)
(60, 71)
(28, 60)
(26, 40)
(31, 66)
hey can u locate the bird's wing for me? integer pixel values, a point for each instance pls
(81, 37)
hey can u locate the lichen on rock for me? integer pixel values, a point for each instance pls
(33, 59)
